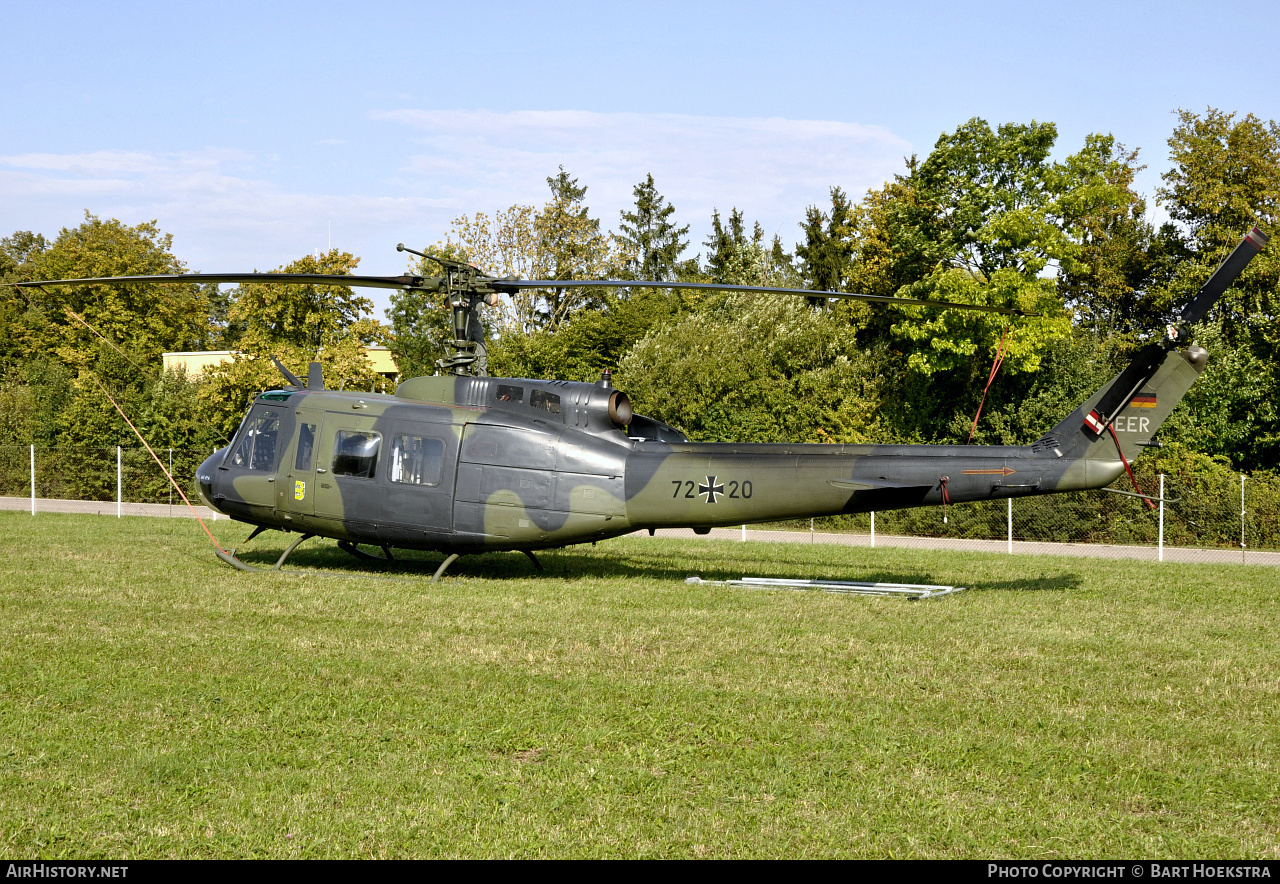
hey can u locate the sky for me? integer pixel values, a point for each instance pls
(257, 133)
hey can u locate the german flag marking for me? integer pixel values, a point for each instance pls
(1143, 400)
(1003, 471)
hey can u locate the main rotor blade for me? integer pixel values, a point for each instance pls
(1226, 274)
(377, 282)
(511, 286)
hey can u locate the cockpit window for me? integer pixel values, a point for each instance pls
(256, 448)
(509, 393)
(355, 454)
(544, 400)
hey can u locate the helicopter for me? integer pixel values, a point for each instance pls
(460, 463)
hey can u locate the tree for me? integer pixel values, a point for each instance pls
(570, 246)
(650, 236)
(591, 341)
(799, 376)
(298, 324)
(733, 257)
(828, 244)
(559, 241)
(1224, 179)
(984, 217)
(17, 339)
(142, 320)
(1107, 282)
(305, 317)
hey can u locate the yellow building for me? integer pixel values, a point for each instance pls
(196, 363)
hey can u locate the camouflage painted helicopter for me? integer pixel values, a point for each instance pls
(461, 463)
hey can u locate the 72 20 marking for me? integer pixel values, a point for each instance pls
(711, 489)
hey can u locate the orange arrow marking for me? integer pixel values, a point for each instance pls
(1003, 471)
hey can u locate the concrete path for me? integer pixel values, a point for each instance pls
(1020, 547)
(106, 508)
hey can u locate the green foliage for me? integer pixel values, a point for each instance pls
(1231, 412)
(990, 213)
(735, 258)
(1021, 408)
(33, 394)
(1225, 178)
(142, 320)
(754, 369)
(570, 246)
(988, 217)
(1106, 281)
(590, 342)
(298, 324)
(305, 317)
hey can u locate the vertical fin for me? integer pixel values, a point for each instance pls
(315, 377)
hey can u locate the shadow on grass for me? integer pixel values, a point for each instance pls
(1058, 583)
(674, 561)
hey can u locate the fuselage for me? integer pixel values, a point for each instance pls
(466, 464)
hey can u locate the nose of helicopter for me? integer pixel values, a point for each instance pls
(205, 474)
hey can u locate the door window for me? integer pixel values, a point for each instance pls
(417, 460)
(306, 445)
(355, 453)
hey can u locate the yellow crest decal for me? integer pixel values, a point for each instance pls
(299, 490)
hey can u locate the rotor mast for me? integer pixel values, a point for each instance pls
(462, 283)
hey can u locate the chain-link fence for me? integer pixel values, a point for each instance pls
(1210, 518)
(130, 475)
(1221, 518)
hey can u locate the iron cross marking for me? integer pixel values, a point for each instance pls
(711, 489)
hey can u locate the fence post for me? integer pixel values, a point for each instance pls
(744, 533)
(171, 483)
(1160, 546)
(119, 483)
(873, 529)
(1242, 512)
(811, 531)
(33, 480)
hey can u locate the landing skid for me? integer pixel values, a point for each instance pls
(349, 547)
(230, 556)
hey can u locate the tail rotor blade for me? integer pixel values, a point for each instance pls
(1226, 274)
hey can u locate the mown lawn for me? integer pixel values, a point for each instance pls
(156, 703)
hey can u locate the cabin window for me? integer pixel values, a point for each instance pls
(306, 444)
(544, 400)
(355, 454)
(256, 449)
(416, 460)
(509, 393)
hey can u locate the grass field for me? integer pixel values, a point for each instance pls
(156, 703)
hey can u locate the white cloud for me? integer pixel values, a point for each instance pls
(771, 168)
(228, 209)
(220, 220)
